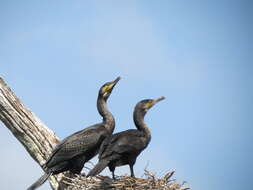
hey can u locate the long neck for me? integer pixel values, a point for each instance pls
(140, 124)
(108, 118)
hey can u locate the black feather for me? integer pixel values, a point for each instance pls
(40, 181)
(98, 168)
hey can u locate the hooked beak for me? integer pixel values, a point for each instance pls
(114, 83)
(110, 87)
(153, 102)
(158, 100)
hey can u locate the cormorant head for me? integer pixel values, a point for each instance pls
(107, 88)
(144, 105)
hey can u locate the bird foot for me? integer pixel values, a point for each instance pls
(83, 174)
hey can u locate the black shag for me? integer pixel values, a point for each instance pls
(74, 151)
(123, 148)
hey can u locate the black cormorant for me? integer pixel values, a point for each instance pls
(74, 151)
(124, 147)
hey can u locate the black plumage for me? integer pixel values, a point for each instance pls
(123, 148)
(74, 151)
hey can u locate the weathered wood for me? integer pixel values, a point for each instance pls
(38, 139)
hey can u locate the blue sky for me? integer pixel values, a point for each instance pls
(55, 55)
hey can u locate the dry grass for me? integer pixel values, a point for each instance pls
(148, 182)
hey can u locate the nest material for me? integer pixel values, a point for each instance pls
(149, 182)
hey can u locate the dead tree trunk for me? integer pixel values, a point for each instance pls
(27, 128)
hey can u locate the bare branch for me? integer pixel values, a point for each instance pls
(27, 128)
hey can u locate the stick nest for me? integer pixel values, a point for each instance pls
(148, 182)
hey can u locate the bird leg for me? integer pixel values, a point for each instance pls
(132, 170)
(112, 169)
(113, 175)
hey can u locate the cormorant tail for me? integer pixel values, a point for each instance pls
(98, 168)
(40, 181)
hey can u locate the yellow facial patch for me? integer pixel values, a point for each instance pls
(149, 105)
(106, 88)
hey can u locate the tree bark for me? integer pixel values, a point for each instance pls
(38, 139)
